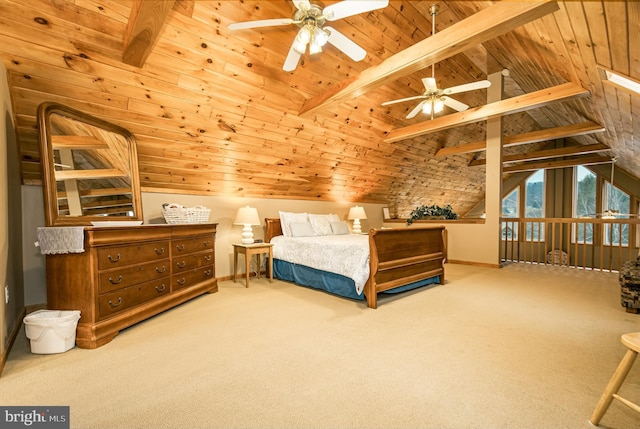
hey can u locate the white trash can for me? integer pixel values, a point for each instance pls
(51, 331)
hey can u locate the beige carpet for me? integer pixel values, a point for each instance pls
(519, 347)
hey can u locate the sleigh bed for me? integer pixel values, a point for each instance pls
(395, 260)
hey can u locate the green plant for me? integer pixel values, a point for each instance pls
(422, 212)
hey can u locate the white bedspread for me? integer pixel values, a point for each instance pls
(347, 255)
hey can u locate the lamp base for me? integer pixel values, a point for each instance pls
(357, 229)
(247, 234)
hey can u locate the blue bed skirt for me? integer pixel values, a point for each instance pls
(331, 282)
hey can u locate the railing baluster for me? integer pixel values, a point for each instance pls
(586, 243)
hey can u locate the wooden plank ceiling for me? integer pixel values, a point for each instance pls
(214, 114)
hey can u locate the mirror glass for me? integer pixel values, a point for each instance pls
(89, 168)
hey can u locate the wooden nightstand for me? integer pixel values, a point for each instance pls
(252, 249)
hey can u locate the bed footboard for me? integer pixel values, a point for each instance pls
(402, 256)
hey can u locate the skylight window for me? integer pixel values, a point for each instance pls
(622, 81)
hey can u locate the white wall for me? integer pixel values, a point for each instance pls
(11, 268)
(223, 211)
(35, 290)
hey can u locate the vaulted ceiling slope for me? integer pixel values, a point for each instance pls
(214, 113)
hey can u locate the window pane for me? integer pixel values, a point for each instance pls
(510, 209)
(534, 205)
(585, 192)
(585, 203)
(617, 202)
(534, 198)
(510, 204)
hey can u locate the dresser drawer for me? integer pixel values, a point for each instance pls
(191, 245)
(189, 262)
(115, 302)
(126, 276)
(193, 277)
(111, 257)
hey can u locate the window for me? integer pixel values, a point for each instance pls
(534, 205)
(510, 205)
(584, 203)
(617, 201)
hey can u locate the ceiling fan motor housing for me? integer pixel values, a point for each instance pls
(312, 16)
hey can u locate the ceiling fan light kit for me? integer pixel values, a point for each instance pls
(434, 105)
(311, 19)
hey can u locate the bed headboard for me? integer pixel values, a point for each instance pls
(273, 228)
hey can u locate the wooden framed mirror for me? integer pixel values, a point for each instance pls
(89, 168)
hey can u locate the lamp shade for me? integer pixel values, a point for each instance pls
(356, 212)
(247, 216)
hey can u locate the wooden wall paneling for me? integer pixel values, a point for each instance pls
(118, 10)
(208, 98)
(569, 42)
(44, 86)
(60, 26)
(52, 77)
(596, 23)
(548, 30)
(572, 15)
(633, 24)
(617, 35)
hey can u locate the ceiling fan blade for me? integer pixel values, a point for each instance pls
(416, 109)
(430, 83)
(346, 45)
(467, 87)
(416, 97)
(261, 23)
(454, 104)
(347, 8)
(302, 4)
(291, 62)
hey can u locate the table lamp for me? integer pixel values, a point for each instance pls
(247, 216)
(355, 214)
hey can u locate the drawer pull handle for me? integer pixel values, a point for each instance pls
(180, 247)
(208, 273)
(207, 244)
(116, 259)
(115, 282)
(161, 288)
(161, 269)
(207, 258)
(182, 281)
(181, 264)
(159, 251)
(117, 304)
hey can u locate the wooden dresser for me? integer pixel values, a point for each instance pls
(128, 274)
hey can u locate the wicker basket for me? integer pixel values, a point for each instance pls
(175, 213)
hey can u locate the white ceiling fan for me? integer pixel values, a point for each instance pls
(313, 33)
(433, 98)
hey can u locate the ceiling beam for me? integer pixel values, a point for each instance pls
(580, 160)
(521, 103)
(548, 153)
(143, 29)
(530, 137)
(485, 25)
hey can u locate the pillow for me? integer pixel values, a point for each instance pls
(322, 223)
(287, 217)
(301, 229)
(340, 228)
